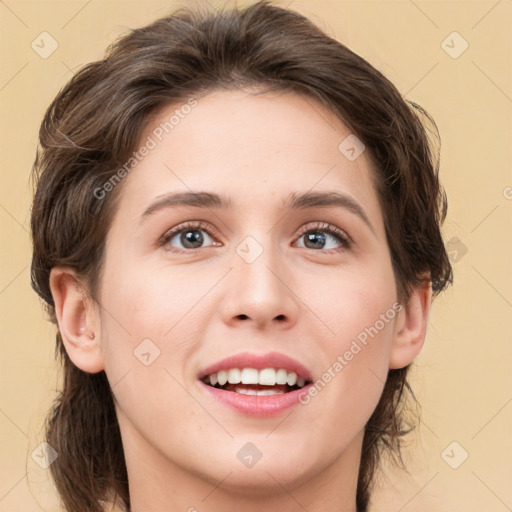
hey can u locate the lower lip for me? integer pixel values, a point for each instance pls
(253, 405)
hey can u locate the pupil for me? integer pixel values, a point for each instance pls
(315, 238)
(192, 237)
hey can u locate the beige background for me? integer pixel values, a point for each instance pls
(462, 377)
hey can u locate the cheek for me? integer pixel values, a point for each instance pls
(362, 313)
(144, 304)
(368, 341)
(363, 300)
(133, 322)
(151, 318)
(147, 335)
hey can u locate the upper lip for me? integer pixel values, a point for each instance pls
(258, 362)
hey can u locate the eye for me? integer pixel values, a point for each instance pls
(194, 234)
(188, 236)
(317, 236)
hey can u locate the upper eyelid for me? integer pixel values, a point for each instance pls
(324, 226)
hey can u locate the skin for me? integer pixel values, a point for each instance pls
(203, 305)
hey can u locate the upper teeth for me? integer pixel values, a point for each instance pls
(265, 377)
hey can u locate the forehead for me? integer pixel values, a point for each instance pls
(251, 147)
(239, 123)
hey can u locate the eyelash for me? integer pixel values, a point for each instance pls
(337, 233)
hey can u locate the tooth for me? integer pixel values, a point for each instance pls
(222, 376)
(268, 392)
(249, 376)
(267, 377)
(244, 391)
(234, 376)
(254, 392)
(281, 376)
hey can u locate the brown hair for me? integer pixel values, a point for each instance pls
(96, 121)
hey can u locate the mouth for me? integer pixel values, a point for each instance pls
(256, 382)
(258, 385)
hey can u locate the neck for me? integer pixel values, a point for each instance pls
(160, 485)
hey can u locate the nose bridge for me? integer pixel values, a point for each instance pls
(254, 268)
(258, 287)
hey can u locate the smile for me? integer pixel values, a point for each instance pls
(256, 384)
(251, 381)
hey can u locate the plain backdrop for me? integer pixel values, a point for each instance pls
(453, 58)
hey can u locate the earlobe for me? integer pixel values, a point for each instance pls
(411, 328)
(78, 320)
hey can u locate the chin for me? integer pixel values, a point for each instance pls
(263, 479)
(269, 473)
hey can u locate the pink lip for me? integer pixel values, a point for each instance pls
(259, 362)
(262, 406)
(251, 405)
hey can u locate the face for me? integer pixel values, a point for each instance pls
(282, 269)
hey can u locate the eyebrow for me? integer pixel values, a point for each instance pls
(294, 201)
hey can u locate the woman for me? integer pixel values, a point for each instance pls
(236, 229)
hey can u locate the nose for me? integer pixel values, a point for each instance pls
(260, 293)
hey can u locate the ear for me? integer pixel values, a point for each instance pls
(78, 320)
(411, 328)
